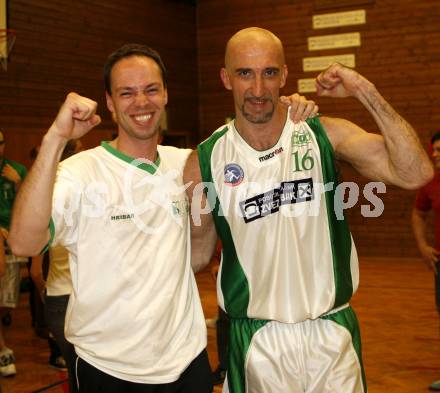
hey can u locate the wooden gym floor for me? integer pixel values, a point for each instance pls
(395, 306)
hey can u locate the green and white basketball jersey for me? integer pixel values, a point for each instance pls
(286, 256)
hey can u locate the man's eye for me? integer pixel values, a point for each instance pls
(271, 72)
(244, 73)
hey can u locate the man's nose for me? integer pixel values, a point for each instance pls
(141, 99)
(258, 86)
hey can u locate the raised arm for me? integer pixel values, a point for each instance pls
(29, 231)
(203, 233)
(395, 157)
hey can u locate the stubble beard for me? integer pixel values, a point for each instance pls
(259, 118)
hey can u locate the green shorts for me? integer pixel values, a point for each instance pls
(313, 356)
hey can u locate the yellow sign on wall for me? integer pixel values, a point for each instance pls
(333, 41)
(306, 85)
(336, 19)
(322, 62)
(2, 14)
(3, 52)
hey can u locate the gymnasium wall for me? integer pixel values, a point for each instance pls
(61, 46)
(400, 53)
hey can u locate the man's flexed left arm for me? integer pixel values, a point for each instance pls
(402, 161)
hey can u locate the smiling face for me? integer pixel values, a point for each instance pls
(138, 96)
(254, 71)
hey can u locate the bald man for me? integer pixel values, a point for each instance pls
(289, 266)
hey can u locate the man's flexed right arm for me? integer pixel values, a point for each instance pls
(29, 231)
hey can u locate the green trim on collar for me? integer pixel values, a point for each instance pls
(150, 168)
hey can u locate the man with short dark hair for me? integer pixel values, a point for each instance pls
(428, 199)
(134, 315)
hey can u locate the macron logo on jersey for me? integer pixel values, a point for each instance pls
(271, 155)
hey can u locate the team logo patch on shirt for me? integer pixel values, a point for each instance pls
(233, 174)
(288, 193)
(301, 138)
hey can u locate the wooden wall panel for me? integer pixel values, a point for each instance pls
(62, 45)
(400, 53)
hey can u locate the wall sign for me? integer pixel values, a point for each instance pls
(322, 62)
(306, 85)
(333, 41)
(336, 19)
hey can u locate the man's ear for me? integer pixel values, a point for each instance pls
(284, 74)
(225, 78)
(109, 101)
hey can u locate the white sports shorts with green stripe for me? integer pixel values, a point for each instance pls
(313, 356)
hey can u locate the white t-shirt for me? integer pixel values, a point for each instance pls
(134, 312)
